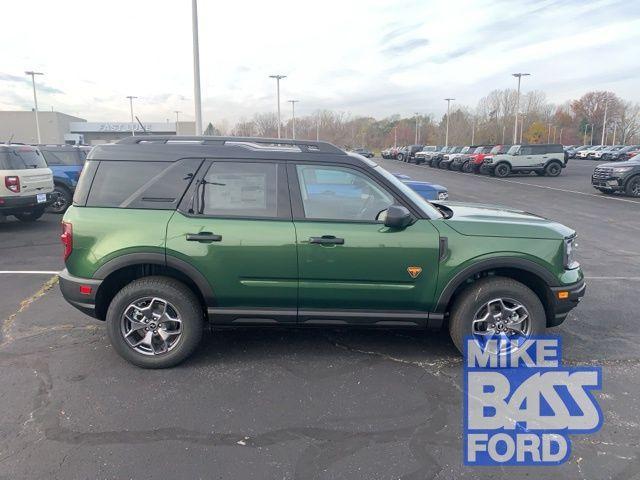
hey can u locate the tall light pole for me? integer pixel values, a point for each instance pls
(177, 112)
(131, 97)
(318, 127)
(604, 122)
(417, 125)
(615, 127)
(196, 67)
(293, 117)
(584, 137)
(446, 137)
(35, 100)
(592, 125)
(278, 78)
(515, 126)
(473, 130)
(522, 126)
(560, 139)
(395, 136)
(549, 133)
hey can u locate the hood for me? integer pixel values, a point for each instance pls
(498, 221)
(428, 184)
(628, 163)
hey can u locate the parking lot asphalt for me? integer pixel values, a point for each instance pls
(258, 403)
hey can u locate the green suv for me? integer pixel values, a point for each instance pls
(169, 234)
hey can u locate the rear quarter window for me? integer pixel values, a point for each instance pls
(146, 185)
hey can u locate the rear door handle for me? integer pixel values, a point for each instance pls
(327, 240)
(203, 237)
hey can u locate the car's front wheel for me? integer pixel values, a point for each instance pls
(155, 322)
(502, 170)
(496, 307)
(400, 157)
(467, 167)
(633, 187)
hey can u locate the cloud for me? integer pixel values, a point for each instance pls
(406, 47)
(7, 77)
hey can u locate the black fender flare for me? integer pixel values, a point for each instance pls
(488, 264)
(551, 160)
(161, 259)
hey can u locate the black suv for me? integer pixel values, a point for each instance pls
(409, 153)
(618, 177)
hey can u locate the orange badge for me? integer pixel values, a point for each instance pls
(414, 271)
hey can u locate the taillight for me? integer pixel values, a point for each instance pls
(12, 183)
(67, 239)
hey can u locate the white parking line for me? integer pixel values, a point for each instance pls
(32, 272)
(626, 200)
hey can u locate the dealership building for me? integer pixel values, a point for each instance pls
(58, 128)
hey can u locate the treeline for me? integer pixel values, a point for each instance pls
(490, 122)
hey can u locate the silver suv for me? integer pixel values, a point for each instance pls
(543, 159)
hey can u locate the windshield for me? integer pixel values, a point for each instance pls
(426, 207)
(20, 158)
(513, 150)
(478, 150)
(496, 149)
(465, 150)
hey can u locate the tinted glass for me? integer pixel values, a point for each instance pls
(84, 183)
(20, 158)
(63, 157)
(538, 149)
(339, 193)
(553, 149)
(153, 185)
(240, 189)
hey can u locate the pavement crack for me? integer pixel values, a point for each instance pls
(6, 336)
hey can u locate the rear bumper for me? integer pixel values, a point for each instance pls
(10, 205)
(562, 307)
(70, 288)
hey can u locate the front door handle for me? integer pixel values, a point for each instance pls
(327, 240)
(203, 237)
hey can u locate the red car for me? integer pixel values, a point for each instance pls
(476, 159)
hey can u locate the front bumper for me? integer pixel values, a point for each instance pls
(11, 205)
(70, 288)
(562, 306)
(612, 184)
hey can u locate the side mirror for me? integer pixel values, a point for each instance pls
(397, 217)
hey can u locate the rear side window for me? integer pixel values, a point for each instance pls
(63, 157)
(240, 190)
(152, 185)
(21, 159)
(538, 149)
(554, 149)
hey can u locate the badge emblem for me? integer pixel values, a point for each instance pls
(414, 271)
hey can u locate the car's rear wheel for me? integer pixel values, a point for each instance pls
(155, 322)
(553, 169)
(30, 216)
(61, 200)
(483, 170)
(467, 167)
(502, 170)
(633, 187)
(496, 307)
(400, 157)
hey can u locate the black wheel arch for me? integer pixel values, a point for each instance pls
(531, 274)
(124, 269)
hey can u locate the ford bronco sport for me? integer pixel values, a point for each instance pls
(167, 233)
(26, 183)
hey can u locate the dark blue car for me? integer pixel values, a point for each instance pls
(428, 191)
(66, 162)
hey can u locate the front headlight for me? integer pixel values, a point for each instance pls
(569, 248)
(443, 195)
(621, 169)
(488, 159)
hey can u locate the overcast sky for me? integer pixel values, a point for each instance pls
(363, 57)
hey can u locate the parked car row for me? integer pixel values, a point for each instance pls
(498, 160)
(614, 153)
(38, 178)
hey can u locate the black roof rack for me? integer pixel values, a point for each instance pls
(252, 143)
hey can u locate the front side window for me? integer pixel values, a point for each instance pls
(526, 150)
(338, 193)
(240, 189)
